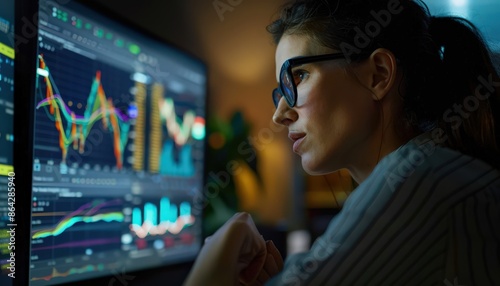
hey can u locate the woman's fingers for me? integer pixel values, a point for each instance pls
(274, 252)
(207, 239)
(273, 264)
(253, 244)
(250, 273)
(235, 246)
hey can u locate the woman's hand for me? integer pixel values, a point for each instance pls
(273, 264)
(236, 252)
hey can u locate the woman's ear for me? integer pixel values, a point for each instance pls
(382, 71)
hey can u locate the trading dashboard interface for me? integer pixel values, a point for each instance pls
(6, 138)
(118, 149)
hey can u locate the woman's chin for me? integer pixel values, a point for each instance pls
(316, 167)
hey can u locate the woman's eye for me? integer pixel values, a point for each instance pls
(299, 75)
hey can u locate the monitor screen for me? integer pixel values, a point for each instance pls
(6, 141)
(118, 149)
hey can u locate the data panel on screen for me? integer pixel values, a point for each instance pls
(6, 139)
(118, 149)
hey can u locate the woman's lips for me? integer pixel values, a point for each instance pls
(297, 138)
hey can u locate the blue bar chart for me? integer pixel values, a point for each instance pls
(158, 219)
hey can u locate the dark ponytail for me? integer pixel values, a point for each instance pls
(470, 116)
(449, 81)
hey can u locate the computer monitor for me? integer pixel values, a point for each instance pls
(118, 149)
(7, 175)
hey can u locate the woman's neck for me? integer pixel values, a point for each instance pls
(367, 161)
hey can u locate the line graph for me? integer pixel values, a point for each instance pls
(176, 158)
(64, 225)
(88, 213)
(75, 270)
(74, 129)
(84, 243)
(180, 130)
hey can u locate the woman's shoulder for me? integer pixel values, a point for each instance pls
(425, 171)
(424, 163)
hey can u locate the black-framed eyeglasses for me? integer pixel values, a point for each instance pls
(287, 87)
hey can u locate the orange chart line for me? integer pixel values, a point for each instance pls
(74, 129)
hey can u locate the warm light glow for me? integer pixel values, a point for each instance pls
(216, 140)
(239, 47)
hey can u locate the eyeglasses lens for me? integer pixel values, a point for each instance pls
(276, 96)
(287, 87)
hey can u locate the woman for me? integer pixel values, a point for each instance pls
(409, 104)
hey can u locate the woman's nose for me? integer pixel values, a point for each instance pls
(284, 115)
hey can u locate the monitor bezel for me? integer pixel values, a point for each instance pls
(26, 35)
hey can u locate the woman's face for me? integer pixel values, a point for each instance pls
(334, 123)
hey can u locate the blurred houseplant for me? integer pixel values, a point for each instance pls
(229, 151)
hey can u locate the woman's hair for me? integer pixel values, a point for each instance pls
(449, 81)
